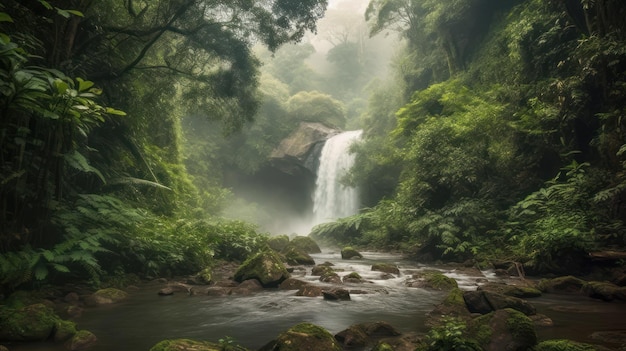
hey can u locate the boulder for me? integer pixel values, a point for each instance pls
(303, 337)
(82, 340)
(348, 253)
(296, 256)
(292, 284)
(604, 291)
(192, 345)
(321, 269)
(336, 294)
(562, 285)
(354, 278)
(434, 280)
(106, 296)
(278, 242)
(453, 305)
(386, 268)
(366, 334)
(330, 277)
(511, 290)
(266, 267)
(505, 329)
(298, 150)
(31, 323)
(63, 330)
(305, 244)
(484, 302)
(247, 287)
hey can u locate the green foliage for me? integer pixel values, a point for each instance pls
(314, 106)
(450, 336)
(556, 222)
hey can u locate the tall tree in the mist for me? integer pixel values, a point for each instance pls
(155, 60)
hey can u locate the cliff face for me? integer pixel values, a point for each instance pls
(298, 154)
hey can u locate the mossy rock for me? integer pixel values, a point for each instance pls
(278, 242)
(64, 330)
(511, 290)
(383, 346)
(452, 305)
(296, 256)
(305, 244)
(82, 340)
(266, 267)
(21, 298)
(321, 269)
(193, 345)
(353, 277)
(562, 285)
(349, 252)
(386, 268)
(604, 290)
(563, 345)
(485, 302)
(303, 337)
(31, 323)
(434, 280)
(506, 329)
(107, 296)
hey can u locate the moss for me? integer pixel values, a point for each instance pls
(439, 281)
(206, 275)
(349, 252)
(305, 244)
(520, 325)
(385, 267)
(382, 346)
(188, 344)
(83, 339)
(563, 345)
(296, 256)
(266, 267)
(454, 298)
(353, 275)
(21, 299)
(64, 330)
(566, 284)
(109, 295)
(31, 323)
(278, 242)
(305, 337)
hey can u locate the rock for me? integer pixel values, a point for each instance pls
(218, 291)
(604, 291)
(330, 277)
(82, 340)
(432, 280)
(299, 147)
(348, 253)
(320, 270)
(3, 348)
(386, 268)
(309, 291)
(562, 285)
(484, 302)
(106, 296)
(278, 242)
(505, 329)
(511, 290)
(192, 345)
(563, 345)
(296, 256)
(303, 337)
(167, 291)
(292, 284)
(305, 244)
(353, 277)
(31, 323)
(362, 334)
(74, 311)
(205, 276)
(453, 305)
(247, 287)
(64, 330)
(336, 294)
(266, 267)
(71, 297)
(617, 337)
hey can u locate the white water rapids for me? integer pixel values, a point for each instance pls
(332, 199)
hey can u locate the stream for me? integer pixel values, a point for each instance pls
(253, 320)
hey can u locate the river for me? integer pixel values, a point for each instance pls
(253, 320)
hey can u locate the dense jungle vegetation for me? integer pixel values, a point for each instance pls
(499, 135)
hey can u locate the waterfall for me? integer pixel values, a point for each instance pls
(331, 199)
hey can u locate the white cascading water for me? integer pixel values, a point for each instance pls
(331, 199)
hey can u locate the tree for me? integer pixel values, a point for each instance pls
(313, 106)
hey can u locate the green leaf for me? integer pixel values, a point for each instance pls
(4, 17)
(41, 272)
(84, 84)
(76, 13)
(46, 4)
(113, 111)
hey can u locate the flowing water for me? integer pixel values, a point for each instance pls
(332, 199)
(253, 320)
